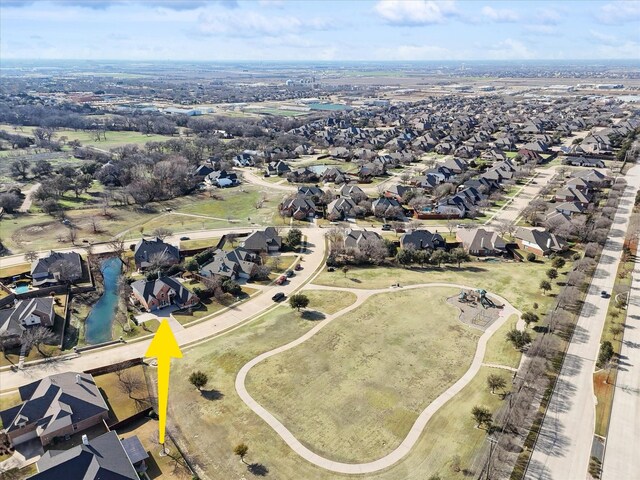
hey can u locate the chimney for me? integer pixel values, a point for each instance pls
(549, 242)
(78, 378)
(85, 440)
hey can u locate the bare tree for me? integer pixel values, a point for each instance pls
(36, 336)
(129, 382)
(96, 226)
(117, 246)
(161, 233)
(31, 256)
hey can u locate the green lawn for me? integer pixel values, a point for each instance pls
(200, 243)
(329, 301)
(352, 392)
(517, 282)
(205, 308)
(501, 352)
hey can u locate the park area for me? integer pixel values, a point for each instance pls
(390, 356)
(352, 391)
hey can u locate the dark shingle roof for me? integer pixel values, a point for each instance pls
(104, 458)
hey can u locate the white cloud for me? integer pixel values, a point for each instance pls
(550, 15)
(510, 49)
(500, 15)
(253, 24)
(603, 37)
(619, 12)
(416, 12)
(416, 52)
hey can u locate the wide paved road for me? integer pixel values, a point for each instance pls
(314, 257)
(564, 445)
(622, 455)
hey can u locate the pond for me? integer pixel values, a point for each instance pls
(97, 327)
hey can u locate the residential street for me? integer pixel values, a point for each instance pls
(621, 458)
(564, 445)
(311, 260)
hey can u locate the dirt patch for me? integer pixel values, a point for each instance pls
(472, 313)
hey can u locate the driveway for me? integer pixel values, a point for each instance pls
(25, 454)
(28, 198)
(563, 447)
(161, 314)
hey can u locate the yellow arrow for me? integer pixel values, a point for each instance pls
(163, 347)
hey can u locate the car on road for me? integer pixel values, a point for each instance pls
(278, 297)
(386, 227)
(604, 294)
(184, 238)
(281, 279)
(298, 267)
(290, 273)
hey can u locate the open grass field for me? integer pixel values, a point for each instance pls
(114, 139)
(220, 420)
(501, 352)
(352, 392)
(517, 282)
(329, 302)
(12, 270)
(37, 231)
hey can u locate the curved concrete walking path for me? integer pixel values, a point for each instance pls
(424, 417)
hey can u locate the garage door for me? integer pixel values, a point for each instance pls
(24, 438)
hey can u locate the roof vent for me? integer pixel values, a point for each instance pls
(85, 440)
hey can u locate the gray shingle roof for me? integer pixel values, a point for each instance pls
(146, 250)
(104, 458)
(12, 319)
(56, 401)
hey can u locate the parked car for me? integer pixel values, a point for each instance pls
(278, 297)
(184, 238)
(290, 273)
(331, 269)
(386, 227)
(281, 279)
(298, 267)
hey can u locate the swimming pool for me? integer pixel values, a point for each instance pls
(22, 288)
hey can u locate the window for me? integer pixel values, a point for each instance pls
(75, 427)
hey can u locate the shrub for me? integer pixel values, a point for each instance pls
(531, 257)
(198, 379)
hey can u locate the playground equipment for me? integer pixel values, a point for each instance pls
(463, 296)
(484, 300)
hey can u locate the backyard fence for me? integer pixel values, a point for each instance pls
(114, 367)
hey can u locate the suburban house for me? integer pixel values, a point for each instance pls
(354, 238)
(147, 252)
(155, 294)
(222, 178)
(103, 457)
(315, 193)
(481, 242)
(266, 240)
(238, 263)
(244, 160)
(539, 242)
(56, 268)
(334, 175)
(594, 178)
(351, 191)
(58, 405)
(278, 168)
(422, 240)
(24, 314)
(569, 194)
(583, 162)
(570, 208)
(341, 208)
(387, 207)
(298, 207)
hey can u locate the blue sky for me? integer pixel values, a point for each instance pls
(319, 30)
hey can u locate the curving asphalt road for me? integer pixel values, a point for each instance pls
(420, 423)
